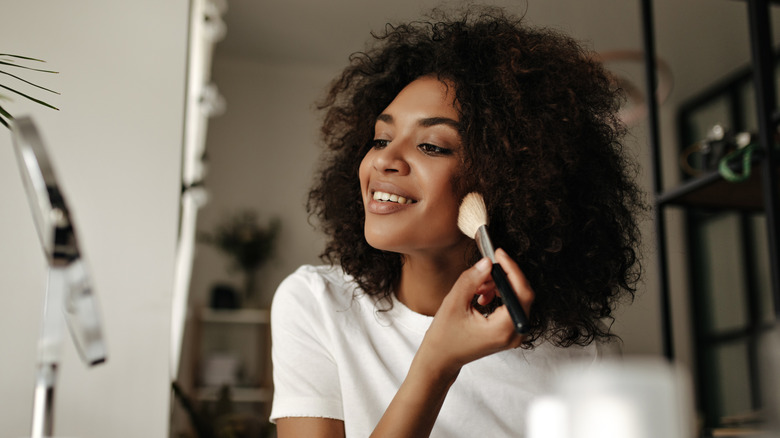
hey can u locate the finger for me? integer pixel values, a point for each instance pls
(487, 292)
(517, 279)
(486, 296)
(471, 280)
(503, 333)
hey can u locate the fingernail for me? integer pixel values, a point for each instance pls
(483, 265)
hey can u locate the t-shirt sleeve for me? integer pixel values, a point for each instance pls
(306, 380)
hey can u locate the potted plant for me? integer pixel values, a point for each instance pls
(246, 242)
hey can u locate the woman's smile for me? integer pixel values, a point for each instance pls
(391, 197)
(386, 198)
(387, 203)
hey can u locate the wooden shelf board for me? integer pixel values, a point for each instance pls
(237, 394)
(712, 191)
(736, 432)
(238, 316)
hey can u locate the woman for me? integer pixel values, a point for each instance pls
(402, 333)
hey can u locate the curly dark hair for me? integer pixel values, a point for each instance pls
(541, 141)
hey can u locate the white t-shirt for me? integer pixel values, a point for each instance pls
(343, 358)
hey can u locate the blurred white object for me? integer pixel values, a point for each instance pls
(629, 398)
(547, 418)
(203, 101)
(220, 369)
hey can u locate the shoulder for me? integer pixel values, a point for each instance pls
(312, 288)
(584, 355)
(309, 279)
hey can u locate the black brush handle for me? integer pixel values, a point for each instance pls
(510, 299)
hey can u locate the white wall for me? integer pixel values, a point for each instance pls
(116, 146)
(261, 155)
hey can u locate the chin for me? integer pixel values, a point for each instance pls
(380, 244)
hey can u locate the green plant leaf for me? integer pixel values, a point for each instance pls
(11, 64)
(26, 58)
(3, 116)
(29, 97)
(5, 113)
(22, 57)
(8, 59)
(27, 82)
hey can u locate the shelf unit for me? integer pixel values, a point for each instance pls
(243, 334)
(709, 195)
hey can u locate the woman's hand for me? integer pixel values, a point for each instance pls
(459, 333)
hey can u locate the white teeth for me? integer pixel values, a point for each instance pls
(391, 197)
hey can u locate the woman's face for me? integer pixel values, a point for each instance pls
(407, 177)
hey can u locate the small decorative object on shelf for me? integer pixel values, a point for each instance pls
(248, 244)
(705, 154)
(223, 296)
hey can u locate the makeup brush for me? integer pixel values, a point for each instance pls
(473, 221)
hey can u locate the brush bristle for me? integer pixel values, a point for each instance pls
(472, 214)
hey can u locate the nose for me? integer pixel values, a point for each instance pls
(392, 159)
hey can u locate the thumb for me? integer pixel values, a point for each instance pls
(471, 279)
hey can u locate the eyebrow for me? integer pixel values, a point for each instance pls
(426, 122)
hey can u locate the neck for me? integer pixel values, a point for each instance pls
(425, 281)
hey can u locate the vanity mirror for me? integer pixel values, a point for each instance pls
(69, 295)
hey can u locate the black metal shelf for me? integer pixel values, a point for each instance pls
(759, 192)
(733, 334)
(710, 190)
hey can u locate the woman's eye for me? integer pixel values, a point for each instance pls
(379, 143)
(432, 149)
